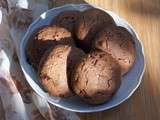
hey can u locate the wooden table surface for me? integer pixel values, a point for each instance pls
(144, 16)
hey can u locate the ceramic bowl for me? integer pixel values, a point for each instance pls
(130, 81)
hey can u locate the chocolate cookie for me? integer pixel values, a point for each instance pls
(55, 69)
(44, 38)
(118, 42)
(96, 77)
(67, 19)
(89, 23)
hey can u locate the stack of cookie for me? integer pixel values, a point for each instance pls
(82, 53)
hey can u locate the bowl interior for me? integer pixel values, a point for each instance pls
(130, 81)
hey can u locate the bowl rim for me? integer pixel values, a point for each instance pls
(66, 108)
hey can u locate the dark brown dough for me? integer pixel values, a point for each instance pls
(96, 77)
(55, 69)
(118, 42)
(67, 19)
(90, 23)
(44, 38)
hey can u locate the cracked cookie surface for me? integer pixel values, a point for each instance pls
(88, 24)
(55, 69)
(44, 38)
(118, 42)
(96, 77)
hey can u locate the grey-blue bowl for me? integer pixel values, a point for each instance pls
(130, 81)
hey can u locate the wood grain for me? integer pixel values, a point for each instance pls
(144, 16)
